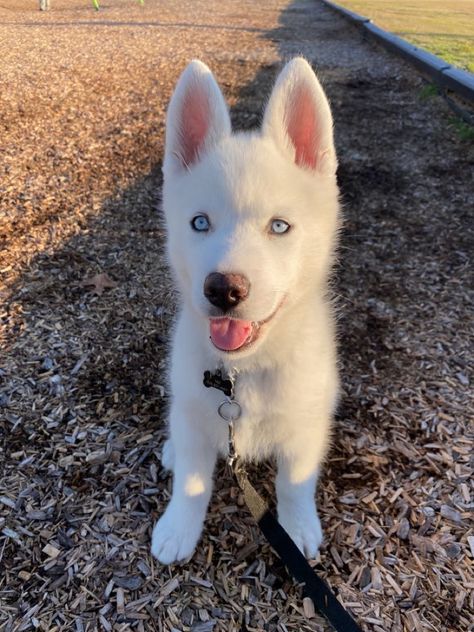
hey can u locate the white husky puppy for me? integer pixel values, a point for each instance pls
(252, 222)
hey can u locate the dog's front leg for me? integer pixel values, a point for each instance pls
(177, 532)
(295, 488)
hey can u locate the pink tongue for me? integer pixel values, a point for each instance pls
(228, 334)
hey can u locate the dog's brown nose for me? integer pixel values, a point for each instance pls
(226, 290)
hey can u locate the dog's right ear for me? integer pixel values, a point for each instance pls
(197, 118)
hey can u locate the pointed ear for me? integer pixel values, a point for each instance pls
(196, 120)
(299, 119)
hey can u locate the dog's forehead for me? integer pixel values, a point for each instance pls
(246, 175)
(251, 174)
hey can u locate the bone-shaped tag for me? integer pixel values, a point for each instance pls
(216, 380)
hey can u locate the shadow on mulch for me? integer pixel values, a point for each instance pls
(125, 339)
(132, 220)
(108, 351)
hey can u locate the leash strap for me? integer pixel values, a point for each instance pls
(297, 565)
(314, 586)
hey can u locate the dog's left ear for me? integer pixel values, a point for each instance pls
(299, 118)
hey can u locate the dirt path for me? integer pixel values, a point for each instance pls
(82, 377)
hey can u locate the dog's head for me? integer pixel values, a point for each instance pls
(251, 217)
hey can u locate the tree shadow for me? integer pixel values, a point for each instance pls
(107, 353)
(121, 333)
(83, 384)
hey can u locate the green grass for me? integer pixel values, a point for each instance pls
(444, 27)
(464, 130)
(428, 91)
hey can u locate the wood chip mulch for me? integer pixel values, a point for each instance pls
(86, 305)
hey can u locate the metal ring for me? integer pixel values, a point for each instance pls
(233, 412)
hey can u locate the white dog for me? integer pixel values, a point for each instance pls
(252, 223)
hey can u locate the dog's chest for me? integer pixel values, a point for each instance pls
(258, 430)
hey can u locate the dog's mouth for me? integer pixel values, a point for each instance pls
(233, 334)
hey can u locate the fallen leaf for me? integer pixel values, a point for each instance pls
(99, 283)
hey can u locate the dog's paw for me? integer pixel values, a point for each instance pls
(304, 528)
(175, 536)
(167, 455)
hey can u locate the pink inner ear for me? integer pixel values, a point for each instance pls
(195, 120)
(302, 127)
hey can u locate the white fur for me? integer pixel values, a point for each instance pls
(287, 380)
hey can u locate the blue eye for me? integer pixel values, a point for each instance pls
(279, 227)
(200, 223)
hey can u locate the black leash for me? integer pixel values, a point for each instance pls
(297, 565)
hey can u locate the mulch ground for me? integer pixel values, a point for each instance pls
(83, 388)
